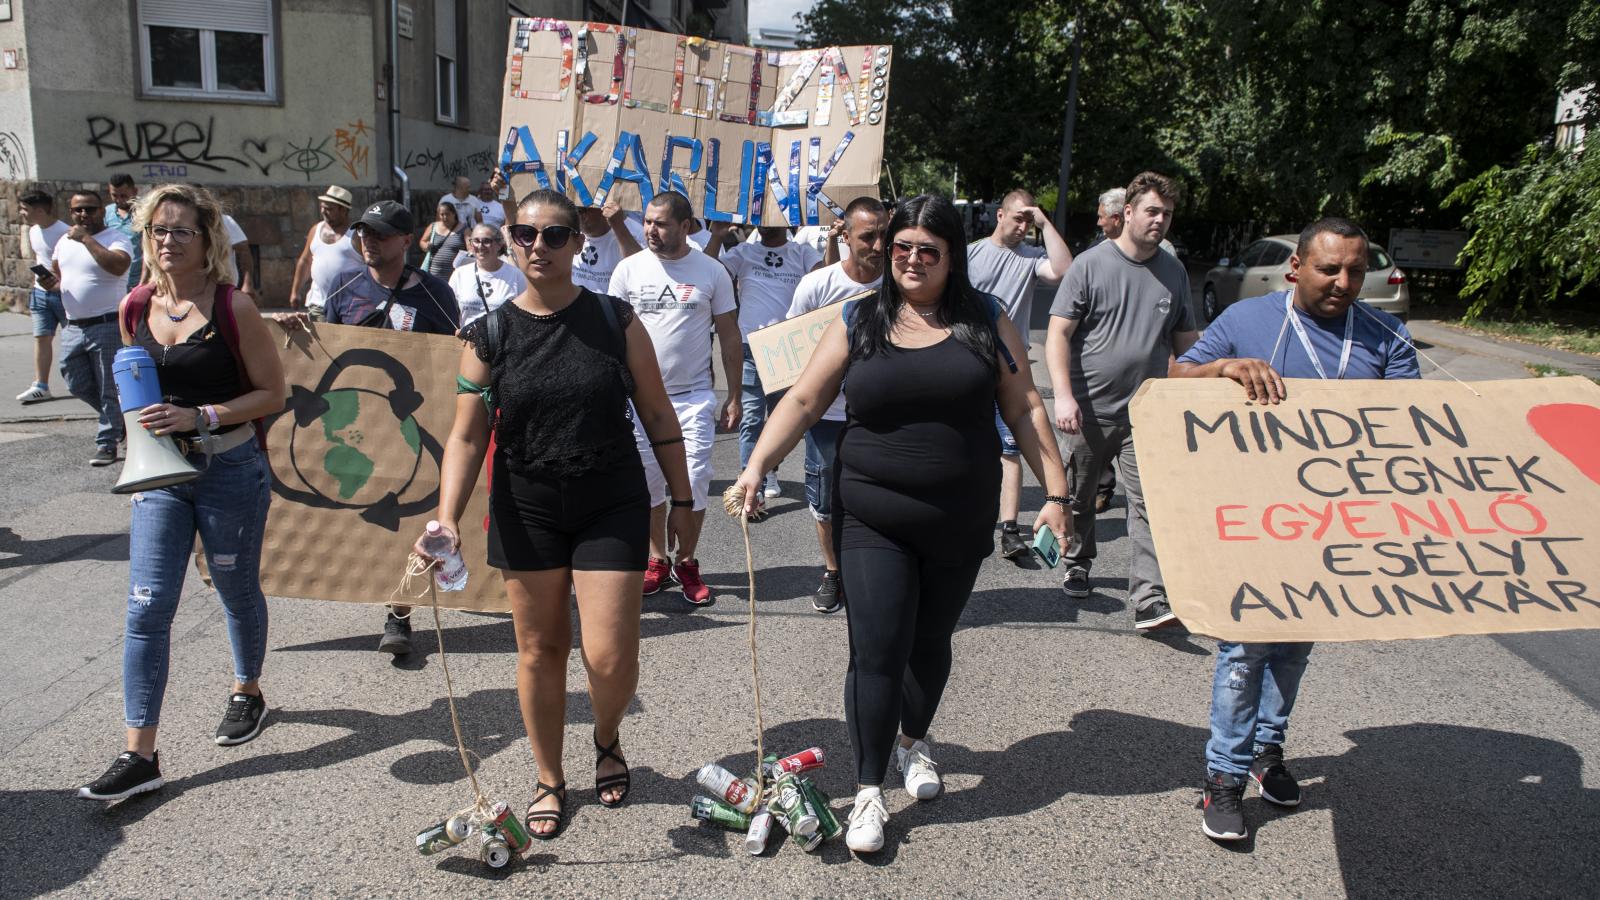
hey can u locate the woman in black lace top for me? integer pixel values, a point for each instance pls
(568, 507)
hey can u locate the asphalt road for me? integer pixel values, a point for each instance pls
(1071, 746)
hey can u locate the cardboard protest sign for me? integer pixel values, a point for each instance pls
(782, 349)
(603, 111)
(355, 467)
(1374, 510)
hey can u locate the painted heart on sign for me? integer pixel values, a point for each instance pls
(1573, 429)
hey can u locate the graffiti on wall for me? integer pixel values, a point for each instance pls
(172, 149)
(443, 168)
(13, 157)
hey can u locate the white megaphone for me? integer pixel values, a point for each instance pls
(153, 462)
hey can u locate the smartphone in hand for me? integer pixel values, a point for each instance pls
(1046, 547)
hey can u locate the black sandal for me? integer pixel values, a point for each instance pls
(558, 815)
(622, 779)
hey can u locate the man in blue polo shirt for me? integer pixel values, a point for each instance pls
(1317, 329)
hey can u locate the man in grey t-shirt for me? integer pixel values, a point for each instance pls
(1002, 265)
(1120, 315)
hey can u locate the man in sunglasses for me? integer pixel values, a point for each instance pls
(1002, 265)
(388, 293)
(681, 295)
(91, 265)
(1121, 313)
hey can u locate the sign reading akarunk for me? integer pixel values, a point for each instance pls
(606, 112)
(1373, 510)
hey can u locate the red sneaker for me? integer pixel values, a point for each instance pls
(688, 575)
(657, 575)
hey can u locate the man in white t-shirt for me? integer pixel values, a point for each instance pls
(1002, 265)
(91, 263)
(240, 257)
(765, 274)
(461, 198)
(609, 236)
(488, 207)
(863, 228)
(680, 295)
(39, 240)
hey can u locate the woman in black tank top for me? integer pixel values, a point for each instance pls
(917, 483)
(568, 506)
(208, 403)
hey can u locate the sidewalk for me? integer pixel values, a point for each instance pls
(16, 373)
(1437, 334)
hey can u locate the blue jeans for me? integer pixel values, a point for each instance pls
(227, 506)
(822, 445)
(47, 311)
(754, 408)
(86, 357)
(1008, 441)
(1252, 695)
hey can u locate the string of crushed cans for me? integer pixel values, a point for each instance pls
(788, 799)
(495, 834)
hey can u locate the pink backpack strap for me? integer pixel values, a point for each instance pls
(136, 306)
(228, 324)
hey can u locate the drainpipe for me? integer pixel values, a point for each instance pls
(394, 105)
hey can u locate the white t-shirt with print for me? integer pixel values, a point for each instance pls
(829, 284)
(766, 278)
(598, 258)
(489, 212)
(86, 289)
(479, 292)
(676, 300)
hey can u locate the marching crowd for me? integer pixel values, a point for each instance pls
(589, 345)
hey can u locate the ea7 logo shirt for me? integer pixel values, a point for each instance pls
(676, 300)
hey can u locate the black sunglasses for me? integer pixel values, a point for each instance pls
(555, 236)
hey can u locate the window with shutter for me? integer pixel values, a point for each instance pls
(216, 49)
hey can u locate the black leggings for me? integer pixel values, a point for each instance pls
(902, 610)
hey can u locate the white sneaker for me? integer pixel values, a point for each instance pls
(35, 393)
(919, 769)
(771, 487)
(866, 822)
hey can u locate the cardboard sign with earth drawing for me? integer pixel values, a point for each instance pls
(355, 459)
(750, 136)
(1374, 510)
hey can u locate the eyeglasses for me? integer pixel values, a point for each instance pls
(927, 254)
(490, 242)
(178, 235)
(555, 236)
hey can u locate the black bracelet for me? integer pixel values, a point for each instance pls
(663, 443)
(1064, 501)
(682, 504)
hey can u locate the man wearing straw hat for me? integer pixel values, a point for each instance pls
(329, 259)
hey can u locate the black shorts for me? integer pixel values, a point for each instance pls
(596, 522)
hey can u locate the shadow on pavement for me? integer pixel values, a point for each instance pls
(1440, 810)
(112, 547)
(1034, 606)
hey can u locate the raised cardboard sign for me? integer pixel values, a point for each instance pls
(782, 349)
(603, 111)
(1374, 510)
(355, 467)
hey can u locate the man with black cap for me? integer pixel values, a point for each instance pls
(388, 293)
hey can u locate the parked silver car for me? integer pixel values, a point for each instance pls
(1263, 267)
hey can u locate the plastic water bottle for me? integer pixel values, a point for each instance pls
(451, 572)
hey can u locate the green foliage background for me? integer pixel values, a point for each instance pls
(1428, 113)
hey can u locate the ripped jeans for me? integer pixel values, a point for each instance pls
(1252, 695)
(227, 506)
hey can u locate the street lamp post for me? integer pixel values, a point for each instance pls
(1066, 131)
